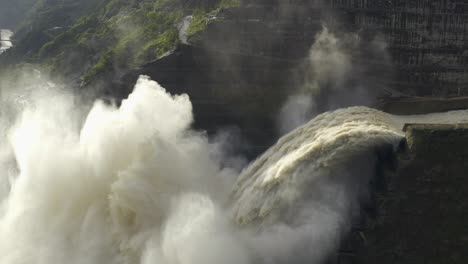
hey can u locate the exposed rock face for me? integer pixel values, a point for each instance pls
(223, 93)
(240, 70)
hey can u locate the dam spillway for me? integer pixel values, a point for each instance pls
(423, 214)
(350, 192)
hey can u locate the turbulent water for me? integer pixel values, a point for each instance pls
(135, 184)
(5, 40)
(330, 146)
(304, 191)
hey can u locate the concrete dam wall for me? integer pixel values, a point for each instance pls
(427, 41)
(422, 214)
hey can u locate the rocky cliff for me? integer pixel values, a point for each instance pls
(249, 58)
(241, 61)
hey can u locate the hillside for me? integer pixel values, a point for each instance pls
(89, 40)
(423, 40)
(259, 69)
(240, 60)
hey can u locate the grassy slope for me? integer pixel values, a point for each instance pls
(90, 39)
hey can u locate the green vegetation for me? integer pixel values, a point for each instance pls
(159, 46)
(201, 17)
(67, 38)
(228, 3)
(96, 37)
(104, 63)
(198, 23)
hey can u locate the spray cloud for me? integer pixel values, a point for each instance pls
(135, 184)
(112, 191)
(336, 74)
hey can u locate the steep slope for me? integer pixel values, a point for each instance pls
(241, 60)
(248, 60)
(89, 40)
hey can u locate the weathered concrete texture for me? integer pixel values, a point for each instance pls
(427, 39)
(423, 217)
(421, 105)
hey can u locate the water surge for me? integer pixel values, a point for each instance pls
(134, 184)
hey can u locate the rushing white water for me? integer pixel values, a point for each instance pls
(5, 40)
(135, 185)
(301, 195)
(326, 142)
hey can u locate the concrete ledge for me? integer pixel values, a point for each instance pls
(421, 105)
(438, 141)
